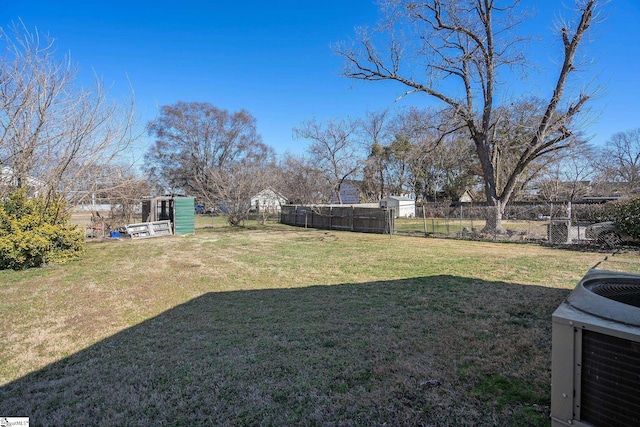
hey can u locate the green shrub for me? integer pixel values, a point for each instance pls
(626, 215)
(34, 232)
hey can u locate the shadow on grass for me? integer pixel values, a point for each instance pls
(436, 350)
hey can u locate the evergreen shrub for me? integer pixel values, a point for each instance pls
(34, 232)
(625, 214)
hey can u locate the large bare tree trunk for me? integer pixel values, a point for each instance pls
(494, 214)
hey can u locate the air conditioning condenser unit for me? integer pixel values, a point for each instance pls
(595, 367)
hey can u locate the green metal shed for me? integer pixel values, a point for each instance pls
(180, 210)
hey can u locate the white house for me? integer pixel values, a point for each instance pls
(7, 178)
(405, 206)
(268, 200)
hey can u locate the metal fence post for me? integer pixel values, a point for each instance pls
(424, 219)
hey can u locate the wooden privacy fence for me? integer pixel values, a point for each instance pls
(349, 218)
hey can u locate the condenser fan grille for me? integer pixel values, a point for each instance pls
(626, 293)
(610, 380)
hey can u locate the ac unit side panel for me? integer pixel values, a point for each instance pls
(562, 373)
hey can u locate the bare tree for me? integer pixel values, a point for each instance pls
(568, 178)
(516, 125)
(374, 172)
(234, 187)
(453, 51)
(376, 127)
(301, 181)
(620, 160)
(210, 153)
(52, 131)
(390, 152)
(400, 152)
(428, 162)
(334, 148)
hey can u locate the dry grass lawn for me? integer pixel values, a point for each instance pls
(285, 326)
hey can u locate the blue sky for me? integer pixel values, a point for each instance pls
(273, 58)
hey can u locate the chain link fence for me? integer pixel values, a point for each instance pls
(550, 223)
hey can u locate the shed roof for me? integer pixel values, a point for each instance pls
(399, 198)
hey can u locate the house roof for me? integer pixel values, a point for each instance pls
(467, 196)
(270, 192)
